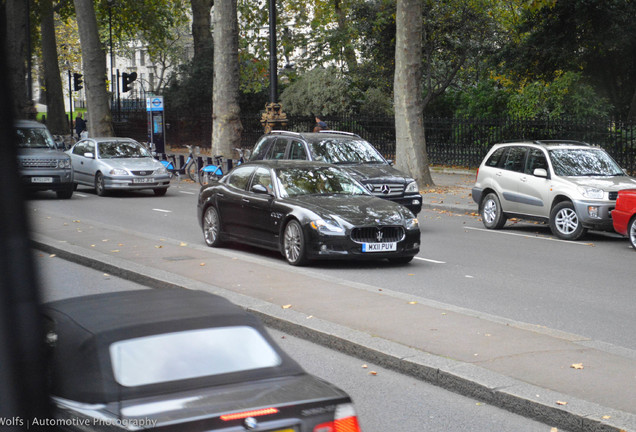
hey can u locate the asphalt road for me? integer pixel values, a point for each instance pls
(384, 401)
(520, 273)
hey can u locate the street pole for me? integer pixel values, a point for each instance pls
(70, 101)
(112, 61)
(273, 117)
(273, 68)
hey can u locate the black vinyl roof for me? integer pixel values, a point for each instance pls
(85, 327)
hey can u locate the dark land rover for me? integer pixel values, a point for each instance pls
(357, 156)
(42, 165)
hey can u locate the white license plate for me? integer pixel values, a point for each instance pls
(41, 179)
(379, 247)
(144, 180)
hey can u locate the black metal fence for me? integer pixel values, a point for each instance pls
(449, 141)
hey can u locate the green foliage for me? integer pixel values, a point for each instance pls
(189, 91)
(319, 91)
(565, 96)
(376, 103)
(484, 100)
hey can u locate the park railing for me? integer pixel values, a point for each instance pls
(449, 141)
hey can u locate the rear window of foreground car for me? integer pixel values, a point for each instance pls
(190, 354)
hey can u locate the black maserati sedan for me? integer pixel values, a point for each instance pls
(178, 360)
(306, 210)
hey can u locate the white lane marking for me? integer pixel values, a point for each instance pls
(187, 192)
(430, 260)
(162, 210)
(530, 236)
(81, 195)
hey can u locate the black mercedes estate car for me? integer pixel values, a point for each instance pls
(352, 153)
(178, 360)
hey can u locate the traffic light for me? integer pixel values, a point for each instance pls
(77, 82)
(126, 81)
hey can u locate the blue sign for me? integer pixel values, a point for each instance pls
(154, 103)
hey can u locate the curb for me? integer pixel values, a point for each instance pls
(495, 389)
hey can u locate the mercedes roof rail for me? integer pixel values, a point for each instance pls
(565, 142)
(339, 132)
(284, 132)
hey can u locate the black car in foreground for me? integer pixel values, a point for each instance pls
(179, 360)
(349, 151)
(306, 210)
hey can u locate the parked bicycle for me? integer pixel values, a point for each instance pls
(211, 171)
(189, 167)
(215, 170)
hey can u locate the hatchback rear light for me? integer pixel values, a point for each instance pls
(345, 420)
(477, 174)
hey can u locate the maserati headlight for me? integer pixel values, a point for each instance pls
(591, 192)
(412, 223)
(326, 227)
(411, 188)
(118, 172)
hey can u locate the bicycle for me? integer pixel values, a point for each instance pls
(211, 170)
(189, 167)
(216, 169)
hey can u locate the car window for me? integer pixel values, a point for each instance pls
(277, 151)
(261, 147)
(515, 159)
(190, 354)
(345, 151)
(297, 151)
(584, 162)
(80, 148)
(317, 181)
(536, 159)
(35, 138)
(90, 147)
(121, 149)
(496, 157)
(240, 177)
(263, 177)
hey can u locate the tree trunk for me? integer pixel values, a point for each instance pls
(348, 52)
(410, 144)
(16, 17)
(201, 31)
(226, 121)
(56, 119)
(94, 66)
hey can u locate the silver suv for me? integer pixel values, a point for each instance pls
(43, 166)
(571, 185)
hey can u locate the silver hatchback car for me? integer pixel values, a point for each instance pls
(110, 164)
(571, 185)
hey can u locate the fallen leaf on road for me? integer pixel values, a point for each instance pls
(52, 255)
(364, 366)
(115, 250)
(561, 403)
(287, 306)
(76, 221)
(577, 366)
(373, 373)
(183, 244)
(554, 430)
(412, 302)
(202, 264)
(158, 246)
(606, 417)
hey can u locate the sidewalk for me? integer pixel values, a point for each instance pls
(526, 369)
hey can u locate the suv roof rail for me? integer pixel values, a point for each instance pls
(284, 132)
(566, 142)
(339, 132)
